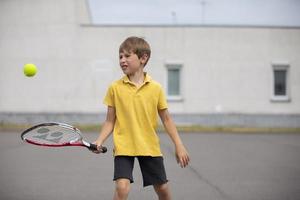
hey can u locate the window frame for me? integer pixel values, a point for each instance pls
(179, 66)
(284, 66)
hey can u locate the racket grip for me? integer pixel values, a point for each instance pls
(94, 147)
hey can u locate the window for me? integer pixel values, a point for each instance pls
(174, 81)
(280, 82)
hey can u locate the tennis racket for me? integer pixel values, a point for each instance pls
(57, 135)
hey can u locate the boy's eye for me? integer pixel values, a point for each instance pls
(126, 55)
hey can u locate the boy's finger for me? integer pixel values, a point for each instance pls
(185, 161)
(182, 163)
(97, 152)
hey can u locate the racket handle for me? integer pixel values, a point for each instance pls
(94, 147)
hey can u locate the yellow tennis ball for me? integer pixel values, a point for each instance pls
(30, 69)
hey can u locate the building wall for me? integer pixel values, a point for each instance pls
(226, 70)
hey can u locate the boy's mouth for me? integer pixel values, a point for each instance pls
(124, 67)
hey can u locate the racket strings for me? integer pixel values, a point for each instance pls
(52, 135)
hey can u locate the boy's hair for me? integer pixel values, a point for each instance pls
(136, 45)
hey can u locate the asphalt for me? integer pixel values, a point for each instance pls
(223, 166)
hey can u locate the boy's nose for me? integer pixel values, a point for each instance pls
(122, 60)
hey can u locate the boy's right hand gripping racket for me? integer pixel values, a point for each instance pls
(57, 135)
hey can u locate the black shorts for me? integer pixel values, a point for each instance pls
(152, 168)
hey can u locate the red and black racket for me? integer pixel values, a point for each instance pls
(57, 135)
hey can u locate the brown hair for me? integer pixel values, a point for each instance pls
(136, 45)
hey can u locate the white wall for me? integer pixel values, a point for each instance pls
(225, 69)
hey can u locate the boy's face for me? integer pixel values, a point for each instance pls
(130, 63)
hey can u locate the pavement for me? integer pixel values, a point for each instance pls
(224, 166)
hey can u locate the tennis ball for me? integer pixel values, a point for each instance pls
(30, 69)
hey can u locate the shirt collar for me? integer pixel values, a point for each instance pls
(147, 79)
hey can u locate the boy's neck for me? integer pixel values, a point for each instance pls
(137, 78)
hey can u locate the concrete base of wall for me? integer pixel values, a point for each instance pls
(220, 120)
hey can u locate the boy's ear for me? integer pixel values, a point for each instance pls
(144, 58)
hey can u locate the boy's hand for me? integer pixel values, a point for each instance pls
(99, 145)
(182, 156)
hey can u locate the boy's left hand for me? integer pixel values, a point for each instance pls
(182, 156)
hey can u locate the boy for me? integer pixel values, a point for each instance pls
(133, 104)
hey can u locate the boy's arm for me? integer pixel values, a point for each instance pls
(182, 155)
(107, 127)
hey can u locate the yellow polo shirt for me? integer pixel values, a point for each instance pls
(136, 116)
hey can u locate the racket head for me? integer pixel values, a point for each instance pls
(52, 134)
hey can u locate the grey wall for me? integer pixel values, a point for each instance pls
(226, 70)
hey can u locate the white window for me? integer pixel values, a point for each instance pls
(280, 82)
(174, 81)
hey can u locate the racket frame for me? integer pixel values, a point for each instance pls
(75, 142)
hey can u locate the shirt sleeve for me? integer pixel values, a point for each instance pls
(109, 97)
(162, 102)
